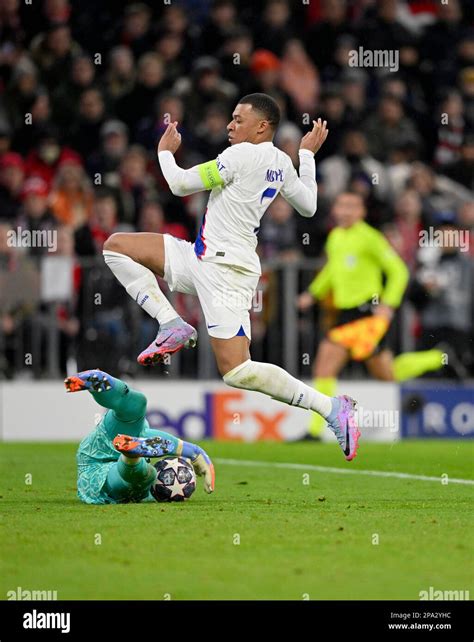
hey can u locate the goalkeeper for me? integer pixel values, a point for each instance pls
(358, 257)
(111, 468)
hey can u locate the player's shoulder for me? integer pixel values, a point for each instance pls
(237, 150)
(368, 231)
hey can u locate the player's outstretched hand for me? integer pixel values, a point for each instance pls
(304, 301)
(314, 139)
(201, 462)
(171, 139)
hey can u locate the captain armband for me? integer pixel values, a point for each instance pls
(209, 174)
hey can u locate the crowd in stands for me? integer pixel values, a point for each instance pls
(88, 87)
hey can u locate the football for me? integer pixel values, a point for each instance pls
(175, 481)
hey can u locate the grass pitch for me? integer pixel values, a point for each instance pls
(267, 532)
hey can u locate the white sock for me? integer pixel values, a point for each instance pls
(279, 384)
(142, 286)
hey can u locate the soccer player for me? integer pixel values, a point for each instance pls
(110, 464)
(358, 258)
(222, 267)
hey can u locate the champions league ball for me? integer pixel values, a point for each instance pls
(176, 480)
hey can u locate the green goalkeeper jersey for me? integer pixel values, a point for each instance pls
(358, 258)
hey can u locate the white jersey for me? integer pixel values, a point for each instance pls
(252, 176)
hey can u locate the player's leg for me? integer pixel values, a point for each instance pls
(239, 371)
(128, 406)
(380, 365)
(226, 297)
(129, 479)
(410, 365)
(329, 361)
(135, 259)
(126, 426)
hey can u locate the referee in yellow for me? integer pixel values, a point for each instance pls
(358, 259)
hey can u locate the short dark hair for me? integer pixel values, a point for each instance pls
(264, 104)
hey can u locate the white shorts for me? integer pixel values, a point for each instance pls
(224, 292)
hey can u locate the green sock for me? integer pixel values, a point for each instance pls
(127, 404)
(413, 364)
(127, 482)
(139, 473)
(327, 386)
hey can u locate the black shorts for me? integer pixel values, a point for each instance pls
(348, 315)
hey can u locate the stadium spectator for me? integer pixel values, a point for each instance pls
(170, 48)
(136, 184)
(388, 137)
(442, 290)
(21, 91)
(5, 137)
(354, 84)
(466, 222)
(135, 31)
(67, 95)
(138, 103)
(85, 130)
(235, 57)
(152, 219)
(438, 193)
(299, 78)
(338, 170)
(168, 108)
(287, 138)
(53, 52)
(438, 44)
(103, 164)
(388, 127)
(120, 74)
(462, 171)
(333, 110)
(40, 110)
(321, 39)
(275, 29)
(104, 219)
(222, 19)
(265, 66)
(450, 129)
(383, 30)
(46, 154)
(408, 223)
(211, 134)
(277, 234)
(12, 173)
(205, 86)
(72, 197)
(35, 214)
(19, 285)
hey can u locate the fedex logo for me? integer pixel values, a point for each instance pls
(274, 175)
(223, 415)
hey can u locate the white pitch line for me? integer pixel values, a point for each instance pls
(341, 471)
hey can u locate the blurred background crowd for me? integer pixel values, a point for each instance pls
(87, 88)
